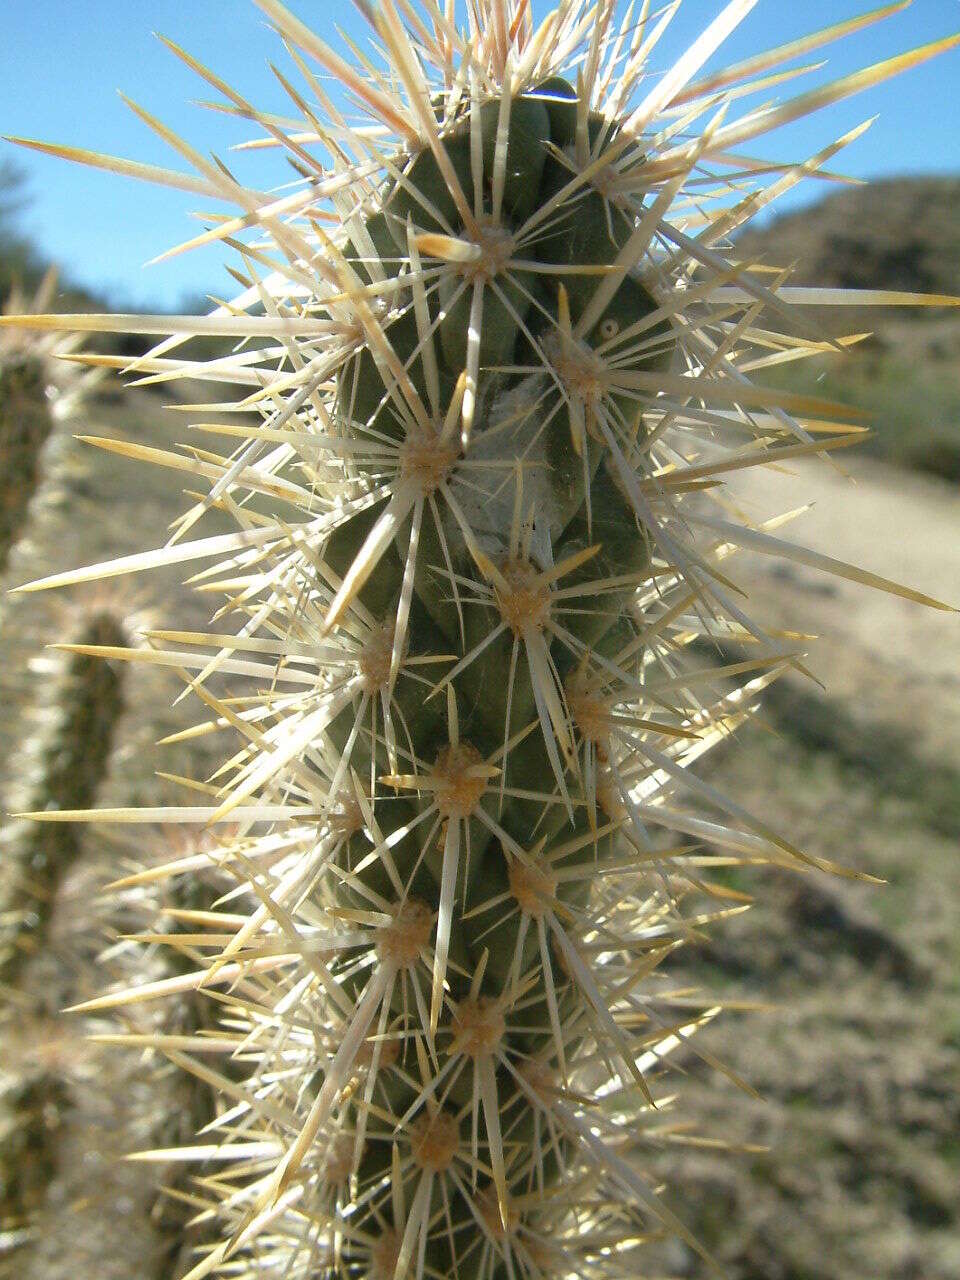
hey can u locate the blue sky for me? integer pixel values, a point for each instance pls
(64, 59)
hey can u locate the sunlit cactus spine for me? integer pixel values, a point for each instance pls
(497, 349)
(185, 899)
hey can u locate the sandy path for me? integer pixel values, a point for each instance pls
(890, 658)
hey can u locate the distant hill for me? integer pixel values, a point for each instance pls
(903, 233)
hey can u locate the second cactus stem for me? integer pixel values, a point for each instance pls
(73, 762)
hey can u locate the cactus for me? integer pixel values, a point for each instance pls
(31, 1111)
(66, 1094)
(35, 1098)
(36, 388)
(495, 349)
(185, 897)
(73, 763)
(25, 424)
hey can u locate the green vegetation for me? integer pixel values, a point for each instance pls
(911, 406)
(901, 234)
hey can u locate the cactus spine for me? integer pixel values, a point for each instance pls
(501, 368)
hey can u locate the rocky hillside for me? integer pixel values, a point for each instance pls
(903, 233)
(898, 234)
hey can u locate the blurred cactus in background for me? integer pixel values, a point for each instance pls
(37, 387)
(493, 347)
(31, 1112)
(25, 424)
(73, 762)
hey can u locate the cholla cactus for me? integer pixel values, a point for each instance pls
(64, 382)
(73, 753)
(88, 701)
(497, 348)
(38, 386)
(31, 1112)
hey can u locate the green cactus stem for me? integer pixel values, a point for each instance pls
(73, 763)
(31, 1112)
(25, 425)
